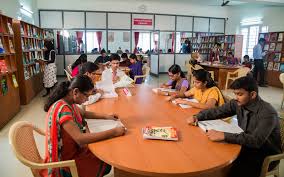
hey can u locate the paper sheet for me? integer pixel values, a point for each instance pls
(219, 125)
(185, 106)
(100, 125)
(108, 88)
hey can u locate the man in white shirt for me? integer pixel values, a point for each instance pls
(113, 73)
(258, 55)
(89, 69)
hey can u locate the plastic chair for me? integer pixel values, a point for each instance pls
(241, 72)
(190, 68)
(272, 158)
(21, 137)
(146, 72)
(69, 68)
(281, 78)
(69, 77)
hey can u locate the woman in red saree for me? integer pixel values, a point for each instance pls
(67, 132)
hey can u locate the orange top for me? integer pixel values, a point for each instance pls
(192, 153)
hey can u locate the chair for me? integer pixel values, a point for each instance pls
(281, 78)
(190, 68)
(69, 68)
(236, 74)
(69, 77)
(146, 72)
(21, 138)
(272, 158)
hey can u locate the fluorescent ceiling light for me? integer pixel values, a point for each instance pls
(251, 21)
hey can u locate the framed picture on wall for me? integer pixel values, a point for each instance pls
(126, 36)
(110, 37)
(276, 66)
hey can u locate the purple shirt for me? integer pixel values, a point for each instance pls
(136, 69)
(184, 83)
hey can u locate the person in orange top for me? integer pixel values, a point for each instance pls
(68, 135)
(204, 91)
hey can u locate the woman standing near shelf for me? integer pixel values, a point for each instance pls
(49, 76)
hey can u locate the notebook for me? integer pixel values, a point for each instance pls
(163, 90)
(185, 106)
(219, 125)
(100, 125)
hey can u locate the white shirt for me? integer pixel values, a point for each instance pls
(93, 98)
(107, 74)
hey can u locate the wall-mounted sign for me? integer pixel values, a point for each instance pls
(142, 21)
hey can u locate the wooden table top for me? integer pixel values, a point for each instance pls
(220, 66)
(193, 153)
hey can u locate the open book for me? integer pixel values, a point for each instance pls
(100, 125)
(108, 88)
(163, 90)
(161, 133)
(219, 125)
(185, 106)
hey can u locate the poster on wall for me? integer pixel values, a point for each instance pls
(110, 37)
(126, 37)
(142, 21)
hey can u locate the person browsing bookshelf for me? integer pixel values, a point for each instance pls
(113, 73)
(258, 55)
(89, 69)
(68, 133)
(177, 81)
(259, 121)
(205, 91)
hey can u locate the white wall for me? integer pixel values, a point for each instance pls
(158, 6)
(272, 17)
(11, 8)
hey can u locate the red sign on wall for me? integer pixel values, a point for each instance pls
(142, 21)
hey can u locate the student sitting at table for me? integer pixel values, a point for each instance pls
(125, 60)
(177, 81)
(68, 135)
(247, 62)
(135, 68)
(231, 60)
(113, 73)
(259, 121)
(104, 58)
(76, 65)
(89, 69)
(205, 91)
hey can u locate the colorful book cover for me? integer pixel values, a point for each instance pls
(273, 37)
(161, 133)
(15, 83)
(280, 37)
(270, 66)
(3, 66)
(272, 47)
(281, 67)
(282, 59)
(278, 47)
(4, 86)
(2, 50)
(10, 29)
(276, 66)
(11, 46)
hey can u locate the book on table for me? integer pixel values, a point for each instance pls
(160, 133)
(185, 106)
(100, 125)
(219, 125)
(163, 90)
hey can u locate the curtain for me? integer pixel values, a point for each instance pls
(173, 42)
(79, 35)
(136, 40)
(99, 38)
(58, 42)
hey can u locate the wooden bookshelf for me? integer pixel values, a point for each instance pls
(29, 43)
(9, 100)
(274, 60)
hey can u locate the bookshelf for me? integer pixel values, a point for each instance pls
(9, 91)
(29, 44)
(228, 43)
(274, 60)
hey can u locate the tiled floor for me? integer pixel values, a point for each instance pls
(11, 167)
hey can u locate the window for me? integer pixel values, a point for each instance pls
(167, 42)
(118, 41)
(74, 41)
(96, 41)
(181, 37)
(143, 43)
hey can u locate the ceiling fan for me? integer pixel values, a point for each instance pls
(225, 3)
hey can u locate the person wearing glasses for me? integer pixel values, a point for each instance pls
(205, 91)
(90, 69)
(113, 73)
(68, 135)
(177, 81)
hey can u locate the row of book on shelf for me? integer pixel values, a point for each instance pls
(10, 29)
(32, 70)
(272, 37)
(275, 66)
(273, 47)
(219, 39)
(32, 44)
(11, 47)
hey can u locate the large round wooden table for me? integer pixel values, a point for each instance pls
(132, 156)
